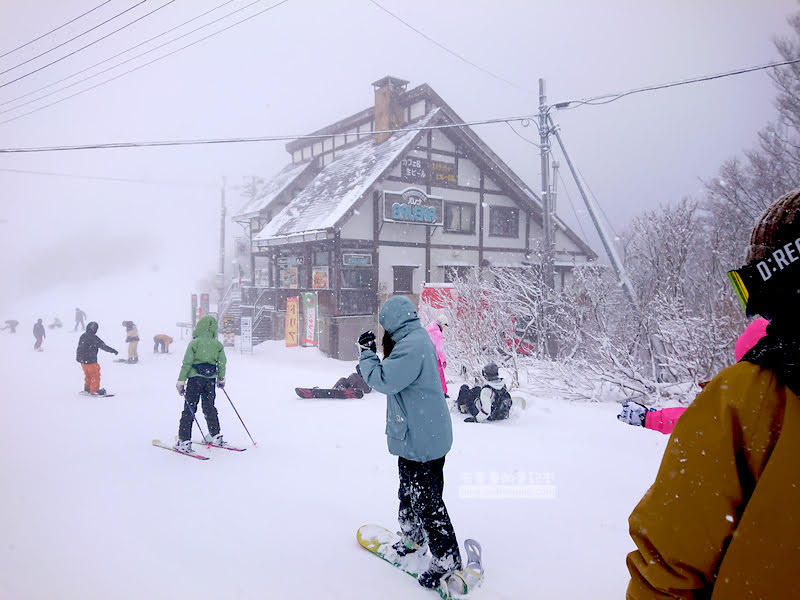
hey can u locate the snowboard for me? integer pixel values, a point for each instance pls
(126, 361)
(378, 540)
(328, 393)
(96, 395)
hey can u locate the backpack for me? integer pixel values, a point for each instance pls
(501, 404)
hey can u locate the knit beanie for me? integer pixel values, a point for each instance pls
(778, 226)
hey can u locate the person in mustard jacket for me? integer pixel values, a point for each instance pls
(721, 519)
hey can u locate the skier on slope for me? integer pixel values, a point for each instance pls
(492, 402)
(132, 339)
(721, 520)
(38, 334)
(86, 354)
(203, 365)
(419, 432)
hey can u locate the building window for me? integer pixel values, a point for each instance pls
(504, 221)
(459, 217)
(403, 280)
(357, 279)
(321, 258)
(452, 273)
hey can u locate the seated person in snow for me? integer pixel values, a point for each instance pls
(664, 420)
(354, 381)
(492, 402)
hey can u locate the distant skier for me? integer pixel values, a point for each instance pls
(161, 342)
(436, 330)
(86, 354)
(80, 317)
(203, 365)
(491, 402)
(11, 325)
(38, 333)
(132, 338)
(419, 432)
(56, 324)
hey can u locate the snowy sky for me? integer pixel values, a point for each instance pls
(307, 63)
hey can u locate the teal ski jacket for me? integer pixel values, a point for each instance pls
(418, 425)
(204, 349)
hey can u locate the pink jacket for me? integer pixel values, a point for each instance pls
(663, 420)
(438, 341)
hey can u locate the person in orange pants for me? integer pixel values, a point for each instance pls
(86, 354)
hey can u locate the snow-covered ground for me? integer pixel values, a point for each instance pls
(90, 510)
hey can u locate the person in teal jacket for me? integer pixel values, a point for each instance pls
(203, 365)
(418, 431)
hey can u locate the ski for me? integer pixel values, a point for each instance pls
(160, 444)
(226, 447)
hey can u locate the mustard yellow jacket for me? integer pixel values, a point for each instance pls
(722, 520)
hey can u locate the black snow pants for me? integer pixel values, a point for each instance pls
(198, 388)
(422, 513)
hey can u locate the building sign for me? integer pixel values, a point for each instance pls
(413, 206)
(228, 330)
(246, 327)
(357, 260)
(319, 278)
(435, 172)
(290, 261)
(310, 319)
(289, 277)
(292, 321)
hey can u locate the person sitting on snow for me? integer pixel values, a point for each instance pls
(354, 381)
(492, 402)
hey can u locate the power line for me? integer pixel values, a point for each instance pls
(247, 140)
(54, 30)
(608, 98)
(97, 64)
(446, 49)
(115, 179)
(25, 62)
(155, 59)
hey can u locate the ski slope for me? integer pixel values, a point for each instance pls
(90, 510)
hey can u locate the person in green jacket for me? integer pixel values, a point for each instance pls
(203, 367)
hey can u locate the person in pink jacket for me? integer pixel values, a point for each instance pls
(435, 329)
(664, 420)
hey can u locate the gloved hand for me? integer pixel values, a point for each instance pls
(221, 383)
(181, 387)
(115, 352)
(366, 341)
(632, 413)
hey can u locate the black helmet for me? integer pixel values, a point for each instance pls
(490, 371)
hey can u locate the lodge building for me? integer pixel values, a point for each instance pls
(399, 194)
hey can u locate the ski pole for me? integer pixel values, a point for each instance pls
(238, 415)
(194, 416)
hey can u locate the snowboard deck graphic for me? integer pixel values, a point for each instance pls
(96, 395)
(328, 393)
(378, 540)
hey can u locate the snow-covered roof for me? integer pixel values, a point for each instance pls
(341, 184)
(272, 189)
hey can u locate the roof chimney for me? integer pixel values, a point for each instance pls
(388, 113)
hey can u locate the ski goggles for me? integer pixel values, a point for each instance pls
(774, 276)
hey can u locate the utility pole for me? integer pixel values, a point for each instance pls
(548, 257)
(221, 271)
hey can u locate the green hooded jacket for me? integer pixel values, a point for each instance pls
(204, 349)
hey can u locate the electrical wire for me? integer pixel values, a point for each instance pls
(97, 64)
(446, 49)
(522, 137)
(155, 59)
(53, 30)
(246, 140)
(72, 39)
(608, 98)
(115, 179)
